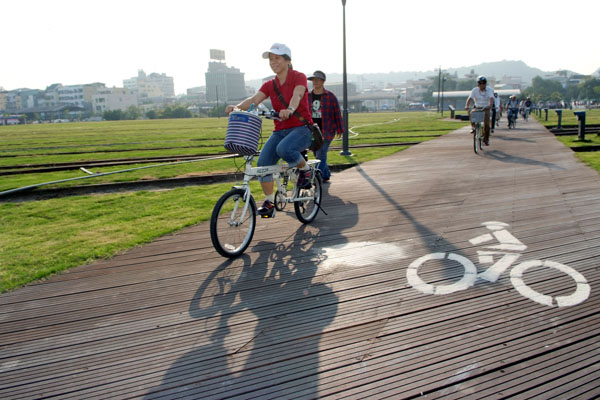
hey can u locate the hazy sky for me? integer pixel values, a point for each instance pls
(75, 42)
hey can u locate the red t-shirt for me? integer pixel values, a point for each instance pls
(293, 79)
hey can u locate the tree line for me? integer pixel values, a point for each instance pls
(540, 90)
(550, 90)
(134, 112)
(177, 111)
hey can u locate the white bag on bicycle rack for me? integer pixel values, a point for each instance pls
(243, 133)
(477, 116)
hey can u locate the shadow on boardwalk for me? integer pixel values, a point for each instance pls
(278, 293)
(433, 241)
(501, 156)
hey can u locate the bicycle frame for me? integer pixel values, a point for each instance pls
(278, 171)
(477, 117)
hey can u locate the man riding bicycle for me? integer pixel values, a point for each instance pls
(513, 108)
(483, 97)
(527, 106)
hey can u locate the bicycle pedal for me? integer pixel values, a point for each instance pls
(269, 215)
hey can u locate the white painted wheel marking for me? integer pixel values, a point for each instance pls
(468, 279)
(582, 292)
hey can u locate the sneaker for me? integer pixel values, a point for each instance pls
(304, 179)
(267, 210)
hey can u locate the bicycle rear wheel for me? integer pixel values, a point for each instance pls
(230, 231)
(307, 210)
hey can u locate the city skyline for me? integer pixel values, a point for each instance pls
(111, 43)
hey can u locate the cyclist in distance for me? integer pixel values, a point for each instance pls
(528, 107)
(483, 97)
(291, 136)
(496, 111)
(512, 105)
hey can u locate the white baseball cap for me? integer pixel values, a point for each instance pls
(280, 49)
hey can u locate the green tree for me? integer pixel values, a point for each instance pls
(152, 114)
(217, 111)
(113, 115)
(133, 112)
(589, 89)
(175, 112)
(555, 96)
(544, 89)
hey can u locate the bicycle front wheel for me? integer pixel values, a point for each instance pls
(233, 222)
(477, 138)
(307, 210)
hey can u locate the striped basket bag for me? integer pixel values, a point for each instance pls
(243, 133)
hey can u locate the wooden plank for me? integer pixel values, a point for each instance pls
(303, 316)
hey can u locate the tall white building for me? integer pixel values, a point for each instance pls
(110, 99)
(150, 86)
(224, 83)
(79, 95)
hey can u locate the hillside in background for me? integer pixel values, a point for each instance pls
(495, 69)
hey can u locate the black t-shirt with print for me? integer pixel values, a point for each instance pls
(315, 109)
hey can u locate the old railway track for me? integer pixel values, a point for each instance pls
(67, 166)
(155, 184)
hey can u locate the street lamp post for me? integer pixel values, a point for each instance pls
(439, 83)
(345, 151)
(442, 105)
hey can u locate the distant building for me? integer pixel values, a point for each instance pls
(150, 86)
(3, 97)
(509, 83)
(224, 83)
(79, 95)
(9, 120)
(12, 100)
(51, 95)
(110, 99)
(196, 94)
(337, 88)
(417, 89)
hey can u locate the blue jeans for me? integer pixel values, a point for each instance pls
(286, 144)
(321, 154)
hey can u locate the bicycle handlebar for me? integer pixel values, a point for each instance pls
(270, 114)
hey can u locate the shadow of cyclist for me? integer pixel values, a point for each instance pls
(501, 156)
(262, 319)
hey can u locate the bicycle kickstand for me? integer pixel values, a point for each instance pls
(320, 208)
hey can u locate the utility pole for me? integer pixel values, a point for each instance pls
(439, 83)
(345, 151)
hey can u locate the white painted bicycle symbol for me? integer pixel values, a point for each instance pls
(508, 250)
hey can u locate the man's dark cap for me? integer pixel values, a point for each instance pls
(317, 74)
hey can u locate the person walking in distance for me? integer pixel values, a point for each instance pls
(325, 112)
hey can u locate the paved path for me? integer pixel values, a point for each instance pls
(326, 310)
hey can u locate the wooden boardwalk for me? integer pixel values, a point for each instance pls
(326, 310)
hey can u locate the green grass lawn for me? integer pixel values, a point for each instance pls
(568, 118)
(39, 238)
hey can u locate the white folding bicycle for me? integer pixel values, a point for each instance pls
(233, 219)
